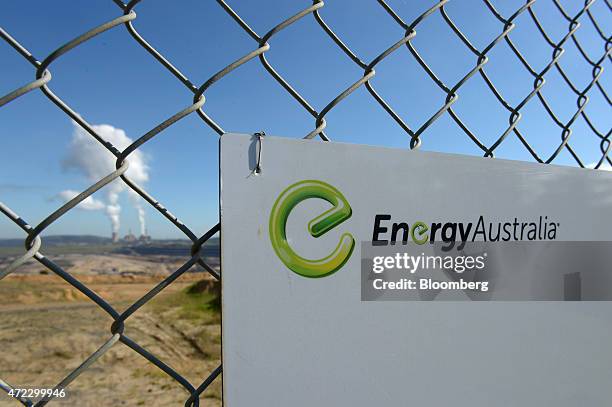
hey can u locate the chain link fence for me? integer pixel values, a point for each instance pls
(127, 17)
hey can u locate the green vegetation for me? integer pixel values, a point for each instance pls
(200, 301)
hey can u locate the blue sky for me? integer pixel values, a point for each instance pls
(112, 80)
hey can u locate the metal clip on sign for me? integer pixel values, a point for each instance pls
(260, 136)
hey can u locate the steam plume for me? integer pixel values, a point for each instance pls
(88, 157)
(88, 204)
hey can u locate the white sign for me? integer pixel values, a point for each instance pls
(296, 330)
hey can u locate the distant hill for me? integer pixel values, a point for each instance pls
(88, 244)
(61, 240)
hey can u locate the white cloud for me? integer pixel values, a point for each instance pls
(88, 204)
(605, 166)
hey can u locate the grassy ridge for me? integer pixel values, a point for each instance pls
(63, 249)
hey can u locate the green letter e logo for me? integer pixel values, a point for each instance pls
(320, 225)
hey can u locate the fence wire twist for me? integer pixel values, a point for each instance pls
(34, 243)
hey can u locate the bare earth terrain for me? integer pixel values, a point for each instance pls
(48, 328)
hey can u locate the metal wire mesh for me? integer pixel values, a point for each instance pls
(34, 244)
